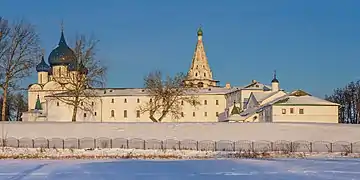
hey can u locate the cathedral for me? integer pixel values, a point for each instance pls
(254, 102)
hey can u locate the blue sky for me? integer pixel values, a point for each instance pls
(313, 45)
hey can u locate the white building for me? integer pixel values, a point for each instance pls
(254, 102)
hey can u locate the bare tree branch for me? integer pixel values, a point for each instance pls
(167, 96)
(86, 74)
(19, 52)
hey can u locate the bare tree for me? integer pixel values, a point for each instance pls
(86, 74)
(19, 50)
(167, 96)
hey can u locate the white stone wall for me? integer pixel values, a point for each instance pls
(181, 131)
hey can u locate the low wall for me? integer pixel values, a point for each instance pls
(182, 131)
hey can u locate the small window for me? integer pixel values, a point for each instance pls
(125, 113)
(205, 102)
(205, 114)
(217, 114)
(182, 114)
(138, 100)
(112, 113)
(57, 103)
(195, 74)
(150, 100)
(137, 113)
(84, 115)
(182, 102)
(291, 110)
(217, 102)
(92, 103)
(112, 100)
(81, 103)
(95, 113)
(301, 111)
(283, 111)
(193, 114)
(125, 100)
(204, 74)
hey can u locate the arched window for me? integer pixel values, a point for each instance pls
(205, 102)
(204, 74)
(200, 84)
(112, 113)
(195, 74)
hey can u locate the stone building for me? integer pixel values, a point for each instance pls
(251, 103)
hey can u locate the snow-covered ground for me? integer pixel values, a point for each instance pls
(294, 169)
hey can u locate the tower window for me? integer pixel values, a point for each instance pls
(57, 103)
(182, 102)
(137, 113)
(205, 114)
(182, 114)
(81, 103)
(204, 74)
(92, 103)
(125, 113)
(112, 113)
(217, 102)
(291, 110)
(138, 100)
(84, 115)
(150, 100)
(95, 113)
(283, 111)
(217, 114)
(205, 102)
(112, 100)
(193, 114)
(195, 74)
(125, 100)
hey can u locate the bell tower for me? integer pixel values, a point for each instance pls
(200, 74)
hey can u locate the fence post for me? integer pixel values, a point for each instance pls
(331, 147)
(271, 146)
(33, 143)
(111, 143)
(18, 143)
(179, 142)
(162, 144)
(215, 148)
(291, 147)
(94, 143)
(234, 146)
(311, 147)
(197, 145)
(48, 143)
(78, 144)
(144, 144)
(253, 146)
(127, 144)
(351, 147)
(63, 143)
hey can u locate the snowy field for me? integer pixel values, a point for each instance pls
(289, 169)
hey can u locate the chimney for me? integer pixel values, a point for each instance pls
(227, 85)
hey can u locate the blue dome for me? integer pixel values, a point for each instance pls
(42, 66)
(61, 55)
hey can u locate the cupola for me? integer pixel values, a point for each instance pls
(62, 54)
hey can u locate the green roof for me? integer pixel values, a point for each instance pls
(38, 104)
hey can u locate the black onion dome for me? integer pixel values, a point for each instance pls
(274, 79)
(61, 55)
(42, 66)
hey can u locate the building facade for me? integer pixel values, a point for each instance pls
(218, 104)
